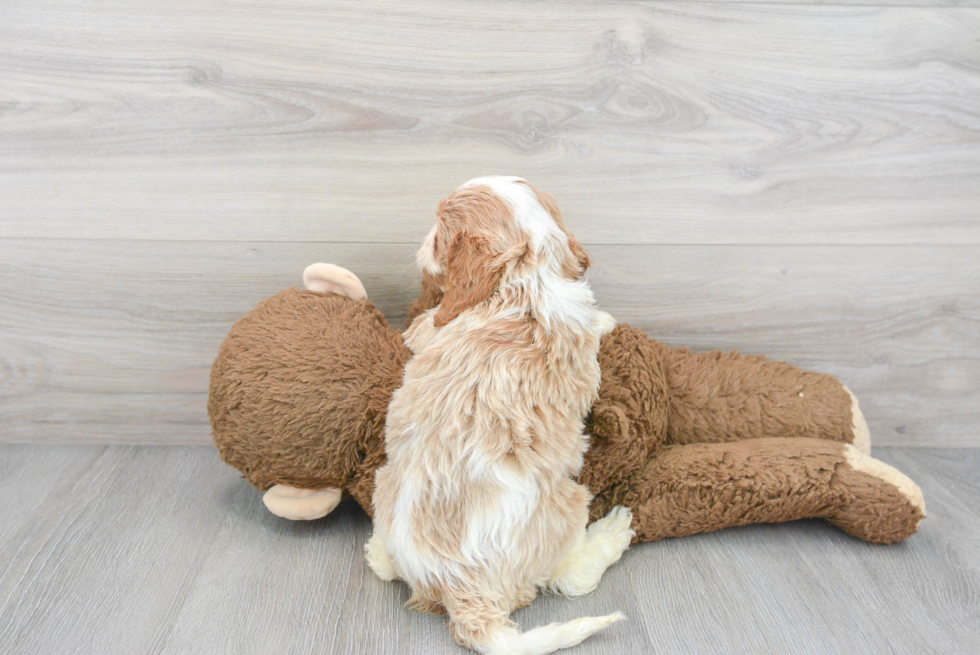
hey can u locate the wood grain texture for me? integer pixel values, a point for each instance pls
(166, 551)
(113, 341)
(652, 122)
(863, 3)
(102, 565)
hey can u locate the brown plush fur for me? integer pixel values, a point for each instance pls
(702, 487)
(306, 405)
(690, 442)
(718, 396)
(628, 422)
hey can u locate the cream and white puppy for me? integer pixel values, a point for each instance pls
(476, 507)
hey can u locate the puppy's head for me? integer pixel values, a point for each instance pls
(493, 231)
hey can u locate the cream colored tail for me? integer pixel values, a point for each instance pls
(547, 639)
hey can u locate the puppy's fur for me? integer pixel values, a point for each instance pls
(476, 508)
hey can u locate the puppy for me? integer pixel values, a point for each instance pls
(476, 507)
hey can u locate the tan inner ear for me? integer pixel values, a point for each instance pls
(472, 275)
(576, 267)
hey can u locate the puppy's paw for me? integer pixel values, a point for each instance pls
(612, 533)
(604, 323)
(601, 546)
(379, 559)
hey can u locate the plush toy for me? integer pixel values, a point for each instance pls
(689, 442)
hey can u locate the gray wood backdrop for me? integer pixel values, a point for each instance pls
(795, 179)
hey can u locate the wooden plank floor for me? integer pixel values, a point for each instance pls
(117, 549)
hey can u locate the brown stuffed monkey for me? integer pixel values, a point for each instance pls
(689, 442)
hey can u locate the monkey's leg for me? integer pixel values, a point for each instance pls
(720, 396)
(687, 489)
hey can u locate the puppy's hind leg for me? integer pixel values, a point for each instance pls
(604, 323)
(596, 550)
(379, 559)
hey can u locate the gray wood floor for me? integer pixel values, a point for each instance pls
(119, 549)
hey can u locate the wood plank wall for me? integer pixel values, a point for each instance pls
(795, 179)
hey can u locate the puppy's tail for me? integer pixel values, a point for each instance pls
(482, 624)
(546, 639)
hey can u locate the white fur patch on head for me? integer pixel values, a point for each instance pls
(555, 297)
(529, 214)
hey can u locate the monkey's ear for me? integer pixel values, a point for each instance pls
(472, 275)
(329, 278)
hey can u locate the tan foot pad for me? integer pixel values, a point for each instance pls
(867, 464)
(300, 504)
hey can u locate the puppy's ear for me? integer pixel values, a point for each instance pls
(581, 256)
(472, 275)
(576, 266)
